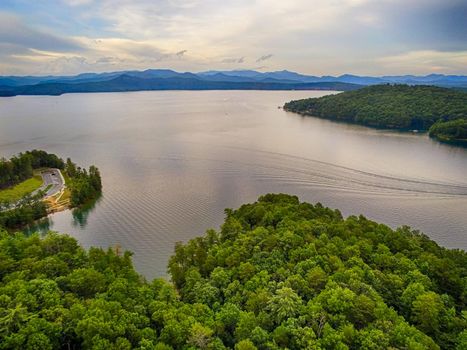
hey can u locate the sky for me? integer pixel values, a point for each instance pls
(332, 37)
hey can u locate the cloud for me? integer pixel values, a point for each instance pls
(77, 2)
(421, 25)
(66, 64)
(425, 61)
(181, 53)
(14, 32)
(233, 60)
(264, 58)
(109, 60)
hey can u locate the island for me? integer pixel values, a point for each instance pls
(279, 274)
(35, 183)
(440, 111)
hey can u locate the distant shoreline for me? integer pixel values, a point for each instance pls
(120, 91)
(166, 79)
(128, 83)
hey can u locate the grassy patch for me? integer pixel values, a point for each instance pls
(66, 195)
(18, 191)
(66, 192)
(65, 177)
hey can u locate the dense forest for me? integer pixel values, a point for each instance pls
(84, 185)
(401, 107)
(20, 168)
(26, 211)
(453, 131)
(279, 274)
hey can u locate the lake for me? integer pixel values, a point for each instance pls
(171, 162)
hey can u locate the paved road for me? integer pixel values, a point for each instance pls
(51, 177)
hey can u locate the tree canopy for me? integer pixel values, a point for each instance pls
(84, 185)
(279, 274)
(454, 131)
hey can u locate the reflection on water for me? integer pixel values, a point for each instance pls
(81, 214)
(43, 225)
(79, 218)
(171, 161)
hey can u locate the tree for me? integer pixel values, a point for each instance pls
(284, 304)
(245, 344)
(426, 312)
(200, 336)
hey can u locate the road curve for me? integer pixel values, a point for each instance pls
(52, 178)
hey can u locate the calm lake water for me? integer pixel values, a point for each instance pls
(172, 161)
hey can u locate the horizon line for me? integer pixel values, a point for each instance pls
(335, 75)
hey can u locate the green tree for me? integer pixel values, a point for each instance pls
(284, 304)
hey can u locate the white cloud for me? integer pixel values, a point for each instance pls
(77, 2)
(15, 32)
(425, 61)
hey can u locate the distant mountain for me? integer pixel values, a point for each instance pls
(18, 81)
(166, 79)
(432, 79)
(287, 75)
(235, 73)
(129, 82)
(258, 76)
(218, 76)
(355, 79)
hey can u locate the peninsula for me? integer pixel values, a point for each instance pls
(36, 183)
(441, 111)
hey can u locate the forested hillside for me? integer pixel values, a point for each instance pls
(279, 274)
(388, 106)
(84, 185)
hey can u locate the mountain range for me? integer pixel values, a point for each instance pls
(284, 75)
(166, 79)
